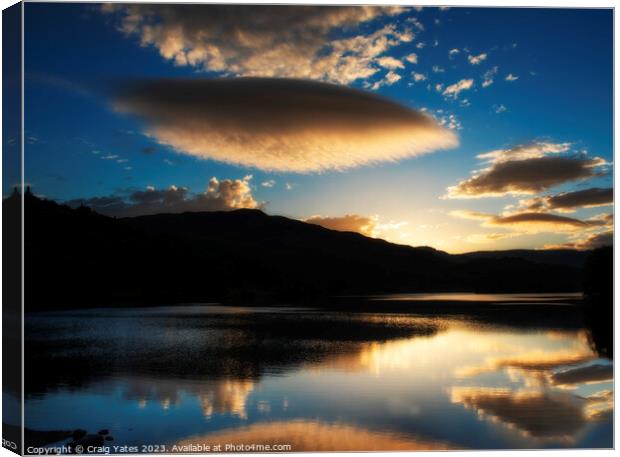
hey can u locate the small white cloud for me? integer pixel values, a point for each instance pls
(390, 78)
(269, 183)
(416, 23)
(438, 69)
(110, 157)
(390, 62)
(445, 119)
(522, 152)
(406, 36)
(420, 45)
(511, 77)
(417, 77)
(453, 90)
(412, 58)
(453, 52)
(500, 108)
(489, 76)
(475, 60)
(452, 122)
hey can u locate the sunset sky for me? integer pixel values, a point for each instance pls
(496, 132)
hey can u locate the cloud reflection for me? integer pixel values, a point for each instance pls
(546, 405)
(314, 436)
(600, 406)
(217, 396)
(587, 374)
(227, 396)
(536, 414)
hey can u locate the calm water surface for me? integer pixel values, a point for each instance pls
(319, 380)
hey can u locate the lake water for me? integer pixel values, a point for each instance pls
(318, 380)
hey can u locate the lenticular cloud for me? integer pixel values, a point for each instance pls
(281, 124)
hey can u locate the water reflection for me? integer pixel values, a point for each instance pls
(583, 375)
(540, 414)
(305, 436)
(222, 396)
(478, 298)
(320, 380)
(230, 396)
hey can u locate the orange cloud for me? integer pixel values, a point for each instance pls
(538, 222)
(526, 170)
(265, 40)
(455, 89)
(570, 201)
(348, 223)
(281, 124)
(366, 225)
(533, 222)
(590, 241)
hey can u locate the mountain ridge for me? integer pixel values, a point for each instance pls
(79, 258)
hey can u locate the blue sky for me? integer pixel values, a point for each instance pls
(560, 61)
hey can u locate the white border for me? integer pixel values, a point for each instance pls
(456, 3)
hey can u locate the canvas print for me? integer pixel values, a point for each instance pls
(291, 228)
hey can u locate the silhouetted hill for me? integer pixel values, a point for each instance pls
(565, 257)
(78, 258)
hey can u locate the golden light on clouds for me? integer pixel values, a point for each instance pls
(281, 124)
(219, 195)
(526, 170)
(371, 226)
(535, 222)
(265, 40)
(568, 202)
(589, 241)
(347, 223)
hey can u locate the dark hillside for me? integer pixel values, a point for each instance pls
(78, 258)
